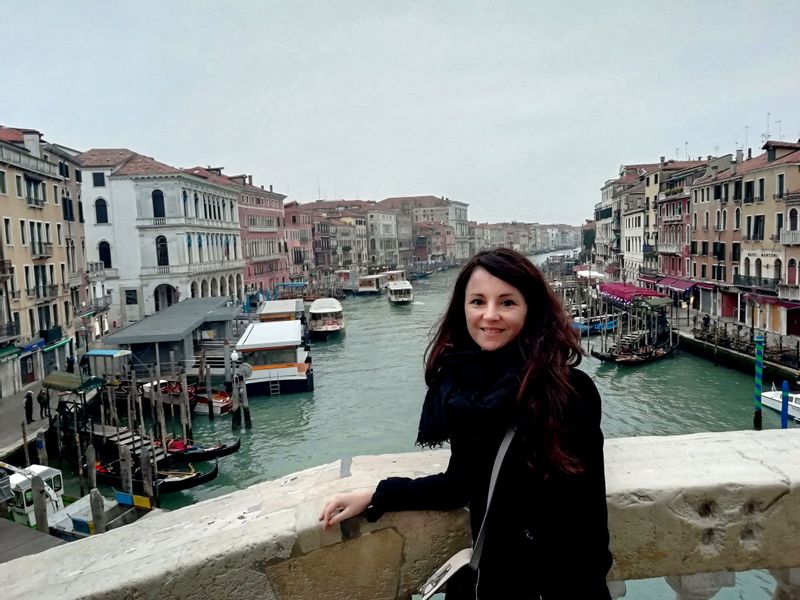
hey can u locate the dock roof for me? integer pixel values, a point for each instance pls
(175, 322)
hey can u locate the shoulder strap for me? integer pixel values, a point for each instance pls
(498, 462)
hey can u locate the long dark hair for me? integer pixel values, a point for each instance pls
(548, 344)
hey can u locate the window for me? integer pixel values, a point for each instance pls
(758, 227)
(778, 223)
(737, 219)
(22, 232)
(7, 232)
(760, 190)
(158, 204)
(131, 297)
(100, 211)
(655, 178)
(703, 271)
(99, 179)
(724, 219)
(55, 194)
(778, 186)
(104, 254)
(749, 192)
(704, 249)
(78, 176)
(162, 251)
(3, 182)
(80, 211)
(793, 219)
(18, 180)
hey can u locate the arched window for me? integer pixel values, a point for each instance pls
(793, 219)
(104, 254)
(162, 252)
(737, 219)
(694, 220)
(100, 211)
(185, 204)
(158, 204)
(705, 221)
(791, 272)
(196, 205)
(724, 219)
(758, 268)
(778, 274)
(718, 221)
(747, 266)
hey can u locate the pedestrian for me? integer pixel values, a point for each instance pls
(502, 365)
(84, 365)
(44, 403)
(70, 364)
(29, 407)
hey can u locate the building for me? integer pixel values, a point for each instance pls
(42, 227)
(162, 234)
(634, 220)
(299, 241)
(432, 209)
(324, 246)
(382, 234)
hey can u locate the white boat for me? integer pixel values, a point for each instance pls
(325, 318)
(278, 360)
(220, 401)
(281, 310)
(400, 292)
(369, 284)
(22, 492)
(774, 400)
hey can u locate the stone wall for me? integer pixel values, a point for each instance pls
(677, 505)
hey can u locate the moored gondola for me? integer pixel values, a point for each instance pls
(168, 481)
(180, 453)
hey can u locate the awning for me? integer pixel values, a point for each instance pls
(627, 293)
(58, 344)
(760, 299)
(788, 305)
(108, 352)
(8, 352)
(666, 282)
(705, 285)
(655, 302)
(681, 285)
(71, 382)
(650, 278)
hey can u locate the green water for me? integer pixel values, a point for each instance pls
(369, 391)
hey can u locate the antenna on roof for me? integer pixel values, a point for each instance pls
(746, 134)
(716, 149)
(780, 137)
(686, 145)
(767, 133)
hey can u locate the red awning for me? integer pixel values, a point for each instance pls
(666, 282)
(788, 305)
(626, 292)
(705, 285)
(759, 299)
(681, 285)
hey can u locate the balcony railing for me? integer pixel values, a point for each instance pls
(672, 218)
(648, 271)
(751, 281)
(8, 330)
(41, 250)
(111, 273)
(790, 238)
(5, 269)
(34, 202)
(51, 335)
(670, 248)
(94, 305)
(789, 292)
(43, 292)
(150, 222)
(15, 294)
(778, 195)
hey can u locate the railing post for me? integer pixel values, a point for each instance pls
(701, 586)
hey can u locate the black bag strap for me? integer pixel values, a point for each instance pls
(498, 462)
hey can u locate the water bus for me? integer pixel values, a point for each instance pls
(325, 318)
(400, 292)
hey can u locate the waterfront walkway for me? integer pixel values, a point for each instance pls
(12, 415)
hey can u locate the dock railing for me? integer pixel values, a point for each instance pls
(694, 509)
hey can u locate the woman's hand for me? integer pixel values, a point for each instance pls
(344, 506)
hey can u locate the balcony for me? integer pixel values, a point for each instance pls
(30, 163)
(669, 515)
(14, 294)
(161, 222)
(51, 335)
(111, 273)
(672, 218)
(790, 238)
(8, 331)
(789, 292)
(670, 248)
(43, 293)
(94, 305)
(41, 250)
(778, 195)
(34, 202)
(751, 281)
(649, 251)
(647, 271)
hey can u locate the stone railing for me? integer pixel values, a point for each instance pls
(693, 508)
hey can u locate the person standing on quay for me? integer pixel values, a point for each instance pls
(43, 398)
(29, 407)
(505, 355)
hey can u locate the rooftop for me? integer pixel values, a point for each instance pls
(175, 322)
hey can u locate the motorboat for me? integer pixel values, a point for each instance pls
(274, 359)
(221, 402)
(22, 510)
(281, 310)
(774, 400)
(325, 318)
(400, 292)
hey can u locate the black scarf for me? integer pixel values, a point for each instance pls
(473, 392)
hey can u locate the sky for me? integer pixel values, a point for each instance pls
(522, 109)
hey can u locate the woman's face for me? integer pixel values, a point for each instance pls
(495, 310)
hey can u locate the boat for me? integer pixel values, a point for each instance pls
(400, 292)
(325, 318)
(368, 284)
(220, 401)
(274, 359)
(167, 482)
(22, 510)
(774, 400)
(178, 451)
(629, 356)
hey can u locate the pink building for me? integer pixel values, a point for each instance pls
(299, 241)
(261, 216)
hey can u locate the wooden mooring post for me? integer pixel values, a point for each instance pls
(25, 445)
(91, 466)
(98, 511)
(125, 469)
(186, 411)
(39, 504)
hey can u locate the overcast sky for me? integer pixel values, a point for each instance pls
(520, 108)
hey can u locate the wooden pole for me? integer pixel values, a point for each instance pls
(91, 466)
(162, 425)
(186, 413)
(125, 469)
(147, 471)
(98, 511)
(209, 391)
(25, 445)
(40, 504)
(79, 450)
(248, 422)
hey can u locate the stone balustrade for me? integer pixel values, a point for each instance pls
(692, 508)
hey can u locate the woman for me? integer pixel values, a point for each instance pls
(504, 354)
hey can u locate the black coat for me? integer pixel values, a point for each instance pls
(547, 537)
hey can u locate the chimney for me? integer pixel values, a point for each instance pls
(262, 186)
(250, 180)
(270, 188)
(749, 153)
(32, 139)
(662, 159)
(739, 156)
(708, 157)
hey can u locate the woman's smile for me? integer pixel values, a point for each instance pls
(495, 310)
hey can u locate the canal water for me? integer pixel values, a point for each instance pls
(369, 390)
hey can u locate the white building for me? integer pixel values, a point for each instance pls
(162, 234)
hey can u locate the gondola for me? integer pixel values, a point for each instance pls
(180, 453)
(168, 481)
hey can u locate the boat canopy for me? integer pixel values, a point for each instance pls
(400, 285)
(72, 382)
(325, 305)
(274, 334)
(108, 353)
(275, 307)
